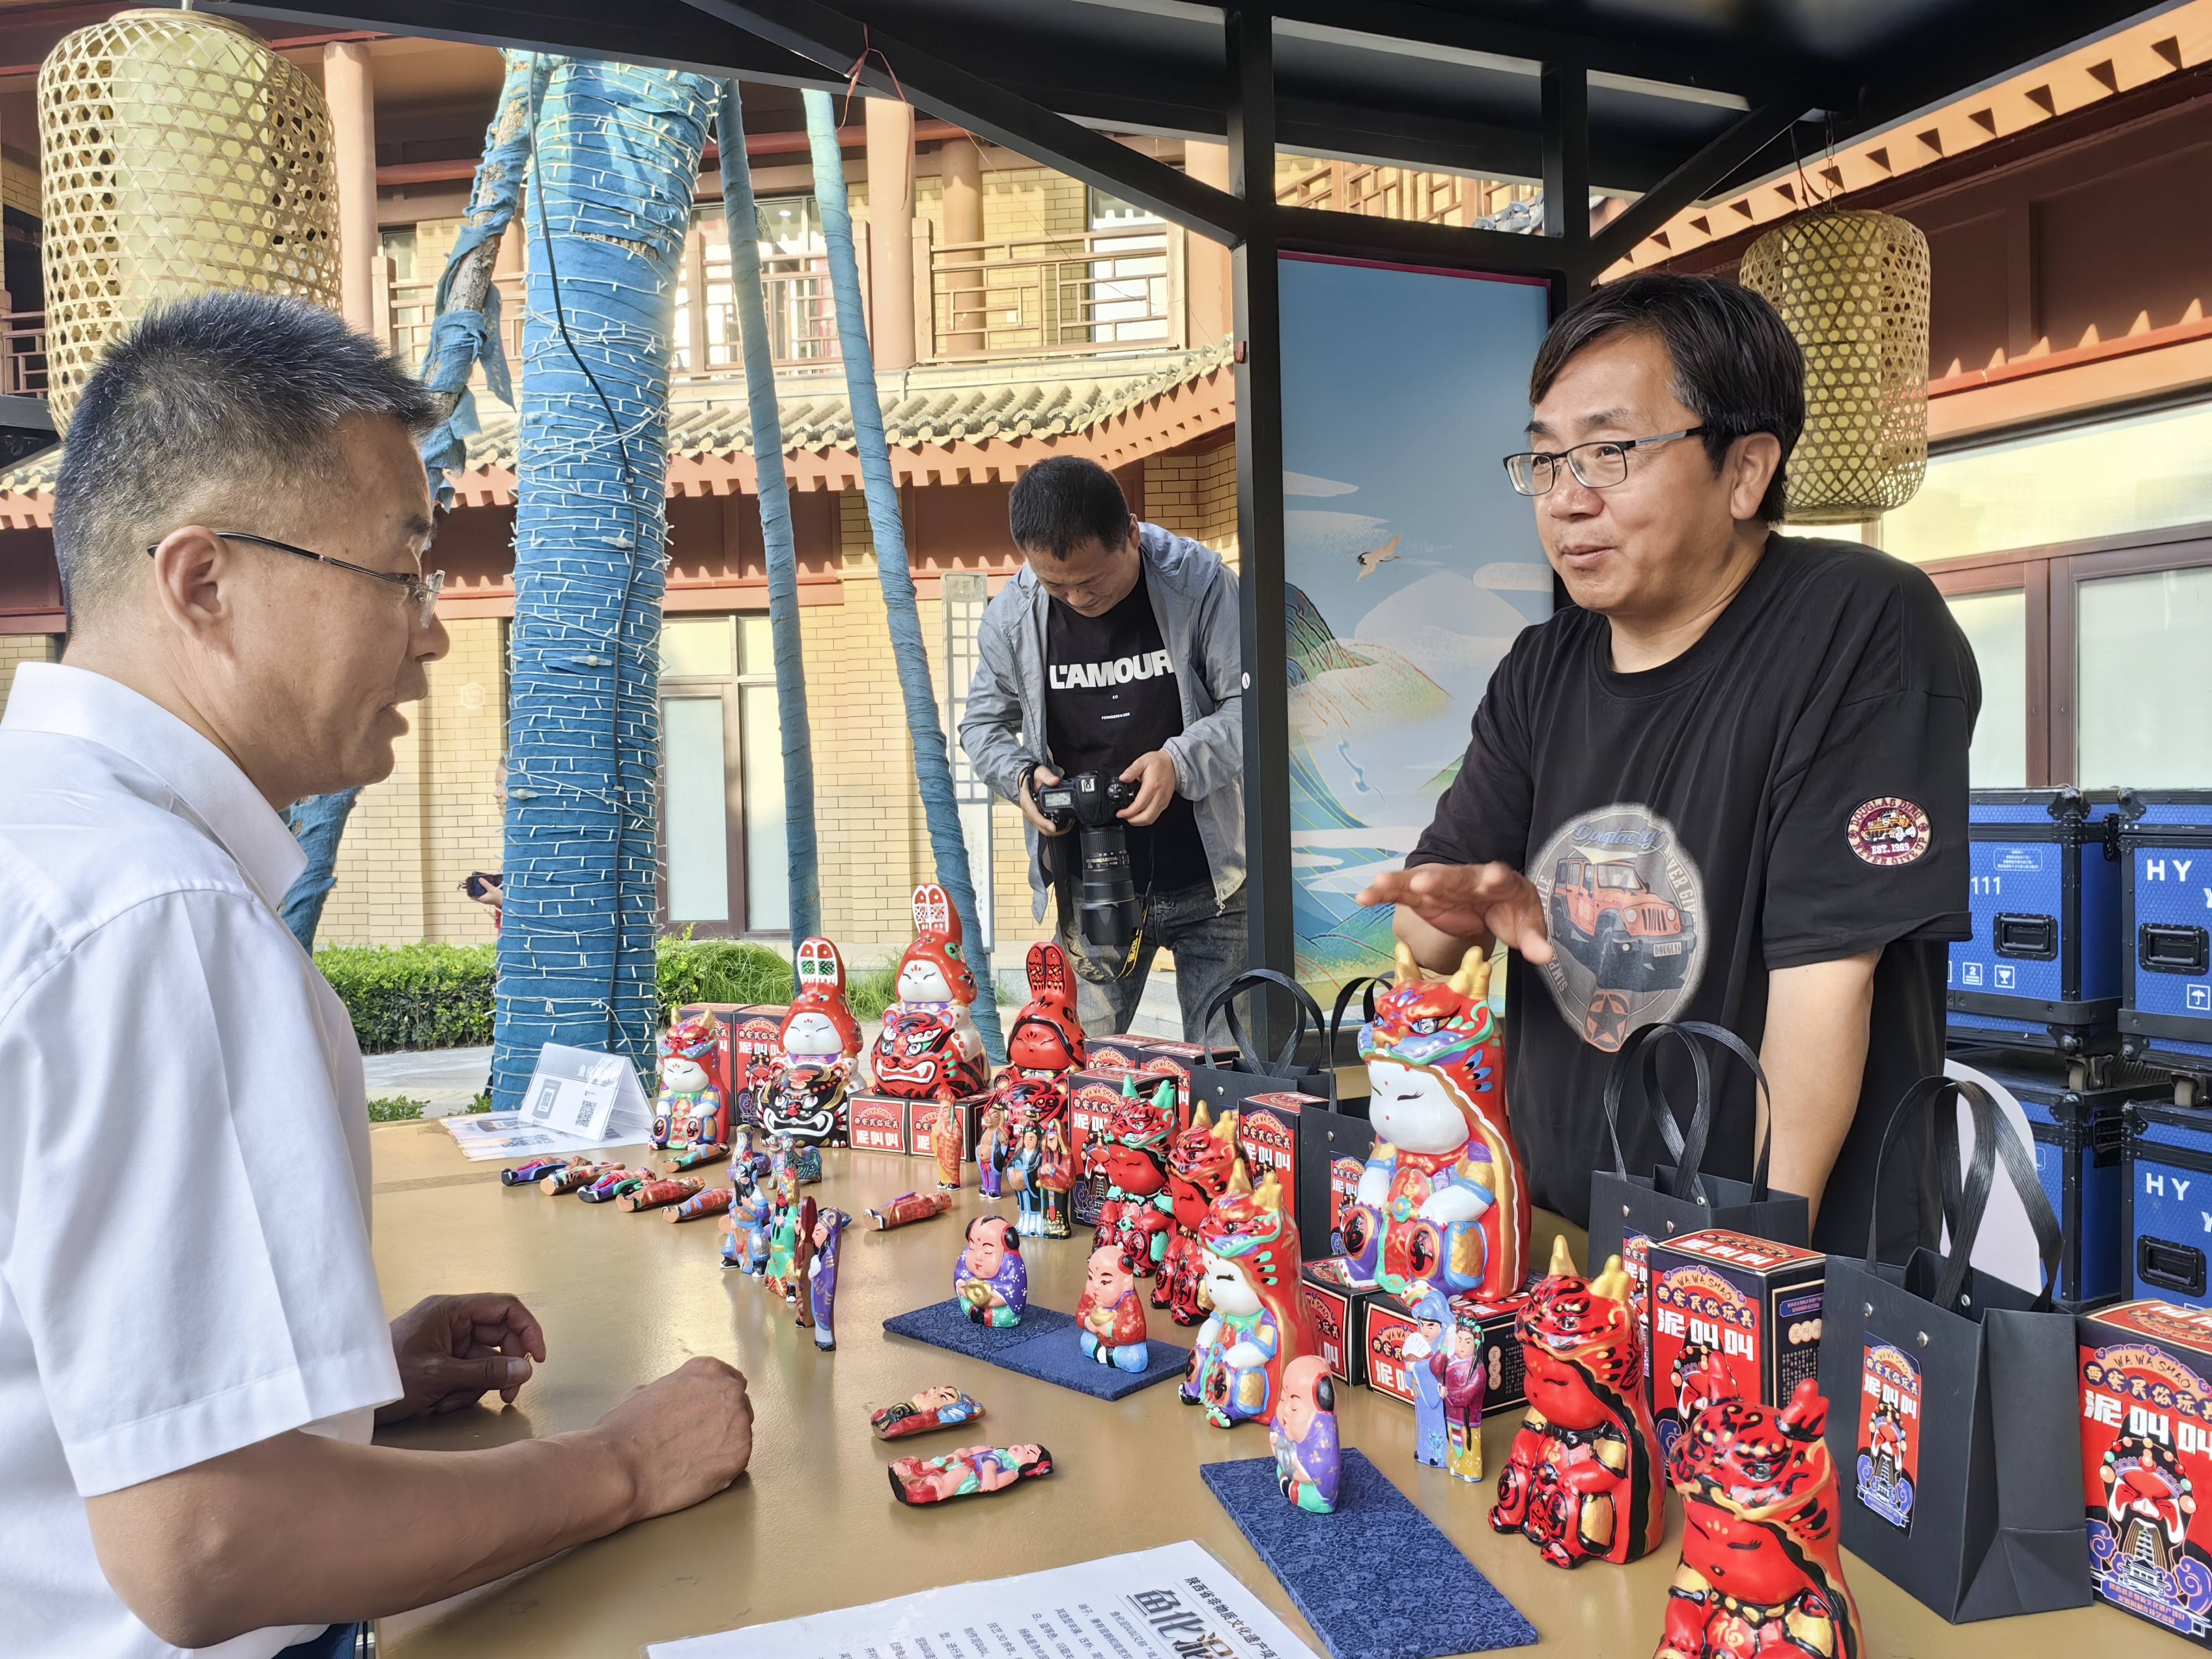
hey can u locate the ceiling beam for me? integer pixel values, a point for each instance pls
(1694, 179)
(840, 44)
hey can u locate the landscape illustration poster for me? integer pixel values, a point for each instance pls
(1410, 565)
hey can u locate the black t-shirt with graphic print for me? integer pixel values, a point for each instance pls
(1110, 696)
(1790, 790)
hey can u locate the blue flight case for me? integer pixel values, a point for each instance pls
(2167, 1202)
(2042, 969)
(2165, 985)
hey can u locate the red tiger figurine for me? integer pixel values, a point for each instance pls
(1583, 1479)
(1201, 1161)
(929, 1047)
(1762, 1573)
(1137, 1216)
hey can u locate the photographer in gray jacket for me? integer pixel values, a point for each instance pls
(1108, 705)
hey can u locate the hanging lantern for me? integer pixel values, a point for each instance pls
(1852, 286)
(180, 156)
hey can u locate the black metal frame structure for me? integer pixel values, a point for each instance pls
(1636, 96)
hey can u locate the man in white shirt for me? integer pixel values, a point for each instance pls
(192, 1344)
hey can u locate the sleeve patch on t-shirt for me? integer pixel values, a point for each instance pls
(1888, 830)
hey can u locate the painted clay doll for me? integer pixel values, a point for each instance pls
(908, 1208)
(1055, 1177)
(966, 1472)
(802, 1158)
(1259, 1321)
(653, 1194)
(942, 1407)
(1425, 1354)
(1443, 1198)
(690, 1112)
(947, 1143)
(1109, 1321)
(576, 1172)
(1761, 1570)
(991, 1149)
(1038, 1172)
(525, 1175)
(788, 1247)
(1308, 1459)
(711, 1200)
(1201, 1161)
(991, 1281)
(1132, 1153)
(748, 1153)
(744, 1230)
(1465, 1384)
(830, 1226)
(611, 1183)
(929, 1047)
(1582, 1481)
(795, 1288)
(817, 1052)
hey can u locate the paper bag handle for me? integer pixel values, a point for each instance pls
(1689, 1151)
(1252, 978)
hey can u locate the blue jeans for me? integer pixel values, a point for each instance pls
(337, 1642)
(1211, 948)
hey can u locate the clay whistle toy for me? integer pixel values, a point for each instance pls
(1109, 1321)
(692, 1157)
(652, 1195)
(711, 1200)
(908, 1208)
(941, 1407)
(611, 1183)
(971, 1472)
(1307, 1458)
(572, 1175)
(991, 1281)
(523, 1175)
(829, 1224)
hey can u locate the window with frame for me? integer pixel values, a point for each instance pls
(725, 854)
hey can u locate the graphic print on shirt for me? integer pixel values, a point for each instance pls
(1094, 676)
(1625, 908)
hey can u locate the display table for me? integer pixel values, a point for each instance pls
(813, 1525)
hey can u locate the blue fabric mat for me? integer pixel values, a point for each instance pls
(1043, 1345)
(1375, 1580)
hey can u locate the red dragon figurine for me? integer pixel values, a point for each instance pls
(1259, 1323)
(1133, 1150)
(1762, 1573)
(929, 1047)
(1201, 1163)
(1583, 1478)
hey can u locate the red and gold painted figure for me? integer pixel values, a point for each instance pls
(1109, 1321)
(1258, 1325)
(1443, 1198)
(1201, 1161)
(818, 1051)
(652, 1195)
(1131, 1150)
(1040, 1170)
(908, 1208)
(948, 1143)
(929, 1047)
(689, 1114)
(1762, 1572)
(966, 1472)
(1582, 1481)
(1044, 1045)
(711, 1200)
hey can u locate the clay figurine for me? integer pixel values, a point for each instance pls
(1039, 1172)
(749, 1153)
(966, 1472)
(1762, 1570)
(1259, 1321)
(788, 1244)
(744, 1232)
(1443, 1198)
(523, 1175)
(1425, 1354)
(991, 1281)
(1132, 1153)
(691, 1158)
(1109, 1320)
(1308, 1460)
(652, 1195)
(576, 1172)
(929, 1046)
(991, 1148)
(1465, 1384)
(908, 1208)
(1201, 1161)
(711, 1200)
(689, 1111)
(947, 1142)
(942, 1407)
(817, 1052)
(802, 1158)
(1582, 1481)
(830, 1226)
(611, 1183)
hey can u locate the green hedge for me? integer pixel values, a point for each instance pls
(439, 996)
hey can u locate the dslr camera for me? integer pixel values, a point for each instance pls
(1106, 897)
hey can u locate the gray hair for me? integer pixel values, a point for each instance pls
(219, 390)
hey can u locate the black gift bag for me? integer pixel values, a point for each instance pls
(1953, 1401)
(1298, 1065)
(1352, 1090)
(1629, 1210)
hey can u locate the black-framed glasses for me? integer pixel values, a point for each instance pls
(422, 591)
(1596, 466)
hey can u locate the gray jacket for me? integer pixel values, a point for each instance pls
(1194, 596)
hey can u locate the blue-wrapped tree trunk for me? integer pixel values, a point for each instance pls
(616, 154)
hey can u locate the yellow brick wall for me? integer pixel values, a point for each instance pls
(413, 837)
(1195, 495)
(17, 648)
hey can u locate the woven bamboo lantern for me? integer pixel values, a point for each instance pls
(180, 156)
(1852, 286)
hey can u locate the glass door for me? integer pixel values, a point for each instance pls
(2141, 696)
(702, 879)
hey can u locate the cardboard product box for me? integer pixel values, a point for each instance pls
(1130, 1052)
(1389, 1322)
(745, 1043)
(1336, 1299)
(874, 1122)
(1091, 1097)
(1754, 1304)
(921, 1120)
(2147, 1461)
(1267, 1137)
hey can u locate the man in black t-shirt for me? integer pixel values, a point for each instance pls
(1728, 783)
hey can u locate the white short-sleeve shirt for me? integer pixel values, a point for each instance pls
(184, 1261)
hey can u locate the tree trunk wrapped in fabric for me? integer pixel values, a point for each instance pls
(618, 153)
(746, 297)
(932, 771)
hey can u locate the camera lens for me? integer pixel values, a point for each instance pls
(1106, 894)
